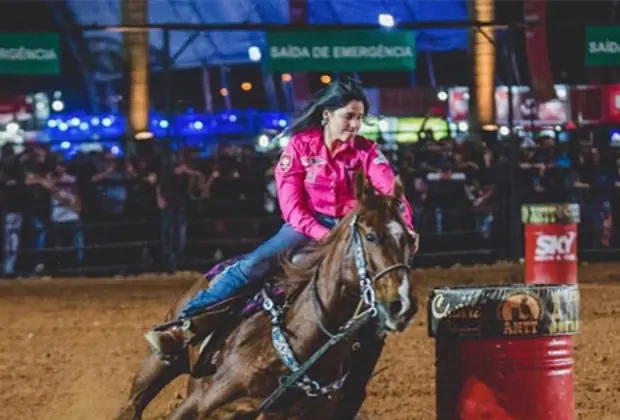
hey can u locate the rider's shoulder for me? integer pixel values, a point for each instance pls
(307, 136)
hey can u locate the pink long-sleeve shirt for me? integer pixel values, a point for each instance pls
(311, 180)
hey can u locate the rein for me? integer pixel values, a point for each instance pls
(298, 376)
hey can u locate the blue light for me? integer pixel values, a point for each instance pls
(75, 121)
(198, 125)
(115, 150)
(95, 121)
(65, 145)
(52, 123)
(63, 126)
(232, 118)
(106, 122)
(83, 126)
(282, 123)
(163, 124)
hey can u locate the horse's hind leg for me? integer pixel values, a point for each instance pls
(188, 410)
(151, 378)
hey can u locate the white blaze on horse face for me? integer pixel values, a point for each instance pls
(397, 231)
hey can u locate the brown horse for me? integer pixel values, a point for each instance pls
(360, 269)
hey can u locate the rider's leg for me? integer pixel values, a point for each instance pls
(249, 269)
(362, 367)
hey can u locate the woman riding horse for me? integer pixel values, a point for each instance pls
(315, 189)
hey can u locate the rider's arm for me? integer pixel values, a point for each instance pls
(291, 193)
(381, 176)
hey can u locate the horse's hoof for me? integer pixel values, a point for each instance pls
(128, 413)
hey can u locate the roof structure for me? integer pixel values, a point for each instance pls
(198, 48)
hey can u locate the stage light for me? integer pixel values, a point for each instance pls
(58, 106)
(286, 77)
(386, 20)
(144, 135)
(246, 86)
(254, 54)
(326, 79)
(263, 140)
(283, 141)
(12, 127)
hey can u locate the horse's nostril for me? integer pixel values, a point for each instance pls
(395, 307)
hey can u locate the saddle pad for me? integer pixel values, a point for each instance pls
(218, 268)
(255, 303)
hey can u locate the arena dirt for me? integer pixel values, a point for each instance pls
(68, 348)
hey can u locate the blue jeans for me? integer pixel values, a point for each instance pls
(252, 267)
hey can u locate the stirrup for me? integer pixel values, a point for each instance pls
(183, 323)
(166, 357)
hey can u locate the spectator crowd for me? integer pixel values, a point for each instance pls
(98, 209)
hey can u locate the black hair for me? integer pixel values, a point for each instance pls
(336, 95)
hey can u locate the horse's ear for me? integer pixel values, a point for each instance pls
(398, 187)
(360, 185)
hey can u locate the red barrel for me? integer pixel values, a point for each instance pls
(550, 243)
(504, 352)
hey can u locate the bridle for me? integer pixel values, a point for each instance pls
(366, 281)
(368, 303)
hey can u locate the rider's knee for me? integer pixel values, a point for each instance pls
(254, 268)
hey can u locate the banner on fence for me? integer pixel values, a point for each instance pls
(352, 50)
(35, 54)
(526, 111)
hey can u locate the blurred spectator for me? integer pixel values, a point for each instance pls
(12, 194)
(66, 206)
(594, 183)
(195, 208)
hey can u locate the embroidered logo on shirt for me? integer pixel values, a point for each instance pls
(286, 161)
(380, 158)
(311, 176)
(312, 160)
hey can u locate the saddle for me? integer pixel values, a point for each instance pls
(208, 330)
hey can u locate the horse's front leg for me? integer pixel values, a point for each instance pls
(206, 399)
(151, 378)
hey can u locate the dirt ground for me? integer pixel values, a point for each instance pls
(68, 348)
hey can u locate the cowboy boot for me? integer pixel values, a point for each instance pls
(169, 339)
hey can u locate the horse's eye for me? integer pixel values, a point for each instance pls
(371, 237)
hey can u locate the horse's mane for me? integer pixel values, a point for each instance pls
(295, 276)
